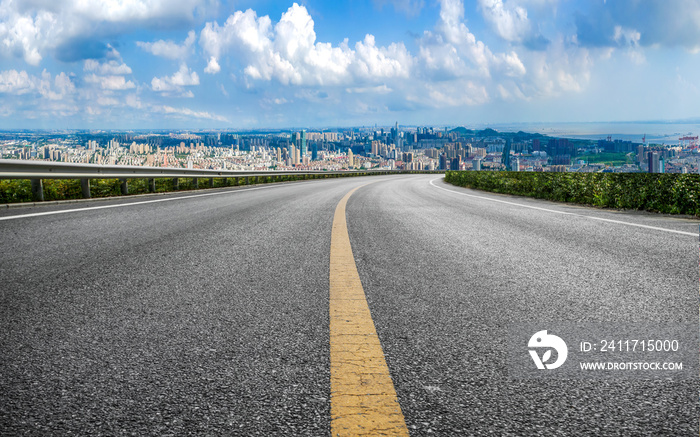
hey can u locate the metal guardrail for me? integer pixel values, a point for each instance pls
(16, 169)
(38, 170)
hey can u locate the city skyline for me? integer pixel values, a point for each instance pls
(274, 64)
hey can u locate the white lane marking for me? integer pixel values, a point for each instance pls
(565, 213)
(65, 211)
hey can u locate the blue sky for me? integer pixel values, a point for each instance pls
(123, 64)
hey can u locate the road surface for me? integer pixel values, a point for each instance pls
(207, 313)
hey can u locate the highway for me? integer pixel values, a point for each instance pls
(207, 313)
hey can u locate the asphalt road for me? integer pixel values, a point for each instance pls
(208, 315)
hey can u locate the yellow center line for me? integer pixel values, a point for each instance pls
(363, 399)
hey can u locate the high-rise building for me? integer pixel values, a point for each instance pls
(505, 156)
(443, 161)
(314, 152)
(396, 136)
(653, 162)
(476, 165)
(561, 151)
(302, 149)
(292, 154)
(351, 159)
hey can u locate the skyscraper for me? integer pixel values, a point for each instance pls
(303, 151)
(515, 164)
(292, 155)
(505, 157)
(653, 162)
(395, 131)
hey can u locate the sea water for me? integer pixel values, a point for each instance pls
(656, 132)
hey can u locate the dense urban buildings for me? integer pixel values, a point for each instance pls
(407, 148)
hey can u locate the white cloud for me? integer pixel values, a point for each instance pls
(107, 101)
(61, 87)
(629, 38)
(510, 64)
(457, 94)
(180, 79)
(112, 67)
(561, 69)
(289, 53)
(108, 75)
(669, 23)
(19, 82)
(15, 82)
(213, 66)
(372, 62)
(133, 101)
(451, 68)
(380, 89)
(452, 51)
(31, 29)
(625, 36)
(112, 83)
(508, 19)
(242, 27)
(24, 35)
(119, 11)
(169, 49)
(186, 112)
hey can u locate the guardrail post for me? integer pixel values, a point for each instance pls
(37, 190)
(247, 180)
(196, 183)
(225, 182)
(152, 185)
(211, 182)
(176, 184)
(85, 187)
(125, 186)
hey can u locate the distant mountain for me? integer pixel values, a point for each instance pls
(488, 132)
(462, 131)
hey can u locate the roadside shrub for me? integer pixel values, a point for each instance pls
(666, 193)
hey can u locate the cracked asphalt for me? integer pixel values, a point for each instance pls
(209, 315)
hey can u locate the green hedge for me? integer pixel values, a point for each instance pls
(666, 193)
(20, 190)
